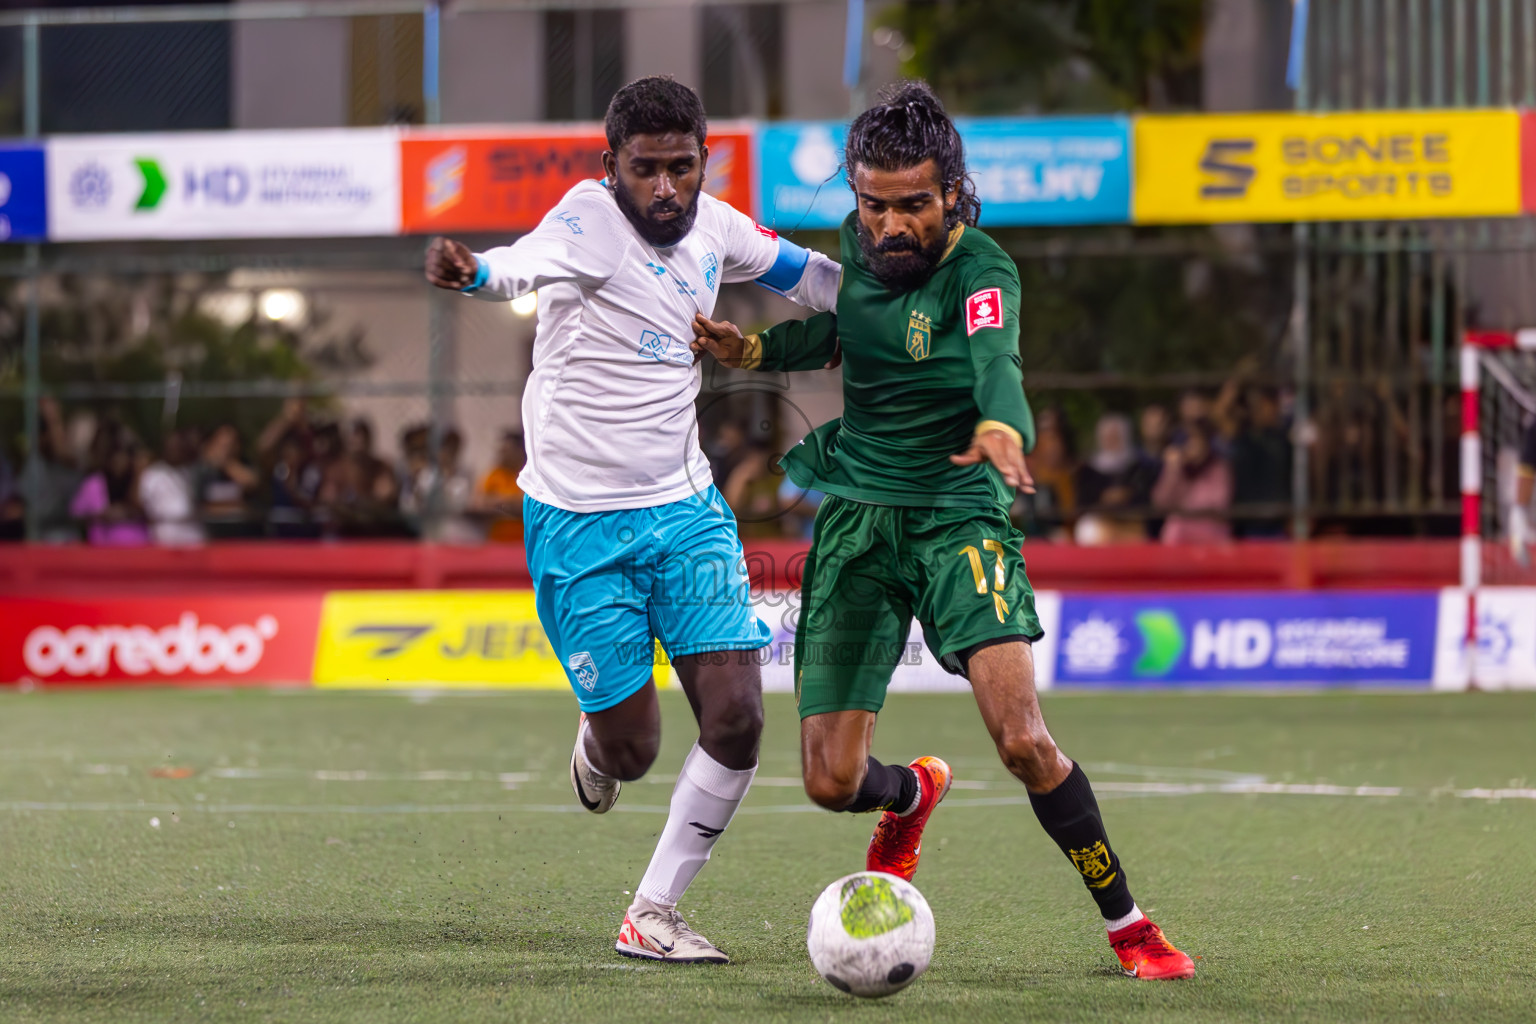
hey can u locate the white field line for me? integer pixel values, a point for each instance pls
(1127, 788)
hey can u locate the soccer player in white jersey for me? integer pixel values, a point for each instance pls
(628, 541)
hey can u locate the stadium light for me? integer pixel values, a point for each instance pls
(526, 305)
(285, 305)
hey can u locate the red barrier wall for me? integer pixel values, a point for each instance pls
(264, 566)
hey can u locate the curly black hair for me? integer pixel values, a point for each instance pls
(906, 126)
(651, 106)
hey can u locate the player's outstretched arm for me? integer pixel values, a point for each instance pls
(792, 345)
(450, 264)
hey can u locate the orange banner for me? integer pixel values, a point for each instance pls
(507, 181)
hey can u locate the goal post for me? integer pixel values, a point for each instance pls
(1498, 405)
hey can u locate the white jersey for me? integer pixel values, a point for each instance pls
(608, 412)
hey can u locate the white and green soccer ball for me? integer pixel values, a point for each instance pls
(871, 934)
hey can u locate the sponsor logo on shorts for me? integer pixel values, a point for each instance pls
(984, 309)
(584, 669)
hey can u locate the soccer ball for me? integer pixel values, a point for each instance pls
(871, 934)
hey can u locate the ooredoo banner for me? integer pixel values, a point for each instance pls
(241, 184)
(1326, 639)
(507, 180)
(247, 639)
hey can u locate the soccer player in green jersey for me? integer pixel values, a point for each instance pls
(919, 474)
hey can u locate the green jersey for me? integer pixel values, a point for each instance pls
(923, 371)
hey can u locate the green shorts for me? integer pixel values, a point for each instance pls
(872, 568)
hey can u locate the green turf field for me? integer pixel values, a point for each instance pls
(353, 857)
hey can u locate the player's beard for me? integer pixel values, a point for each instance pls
(900, 263)
(658, 233)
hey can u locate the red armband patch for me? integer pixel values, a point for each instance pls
(984, 309)
(766, 232)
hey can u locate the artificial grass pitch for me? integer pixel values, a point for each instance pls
(357, 857)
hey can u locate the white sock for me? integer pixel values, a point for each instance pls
(1124, 922)
(703, 802)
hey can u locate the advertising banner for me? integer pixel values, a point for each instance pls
(411, 639)
(1528, 161)
(23, 194)
(247, 639)
(1313, 167)
(1149, 640)
(242, 184)
(1026, 171)
(506, 180)
(1506, 639)
(917, 670)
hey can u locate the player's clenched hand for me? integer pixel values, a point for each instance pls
(1002, 451)
(721, 339)
(450, 264)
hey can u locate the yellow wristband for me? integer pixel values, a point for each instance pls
(752, 352)
(986, 425)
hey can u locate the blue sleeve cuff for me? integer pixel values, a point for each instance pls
(787, 269)
(482, 274)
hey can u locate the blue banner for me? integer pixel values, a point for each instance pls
(1026, 170)
(1268, 639)
(23, 206)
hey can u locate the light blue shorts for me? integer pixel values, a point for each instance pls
(608, 585)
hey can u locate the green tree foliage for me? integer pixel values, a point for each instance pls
(118, 332)
(1050, 56)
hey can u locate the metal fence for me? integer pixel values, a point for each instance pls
(1353, 324)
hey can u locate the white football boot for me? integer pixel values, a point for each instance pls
(597, 792)
(654, 932)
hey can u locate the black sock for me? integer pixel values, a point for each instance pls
(1070, 815)
(886, 787)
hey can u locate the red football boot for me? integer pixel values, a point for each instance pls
(898, 842)
(1145, 953)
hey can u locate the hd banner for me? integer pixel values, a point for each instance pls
(1213, 639)
(23, 207)
(1026, 171)
(1381, 165)
(508, 179)
(243, 184)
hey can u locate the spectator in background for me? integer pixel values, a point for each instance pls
(167, 494)
(1260, 448)
(108, 499)
(1194, 407)
(499, 498)
(359, 492)
(415, 454)
(1114, 486)
(1195, 488)
(285, 447)
(58, 479)
(1052, 508)
(224, 484)
(440, 496)
(1155, 431)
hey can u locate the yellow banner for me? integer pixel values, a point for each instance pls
(411, 639)
(1305, 167)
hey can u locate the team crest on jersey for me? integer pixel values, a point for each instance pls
(919, 335)
(984, 309)
(711, 268)
(583, 668)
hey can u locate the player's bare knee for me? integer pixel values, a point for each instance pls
(1030, 757)
(630, 758)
